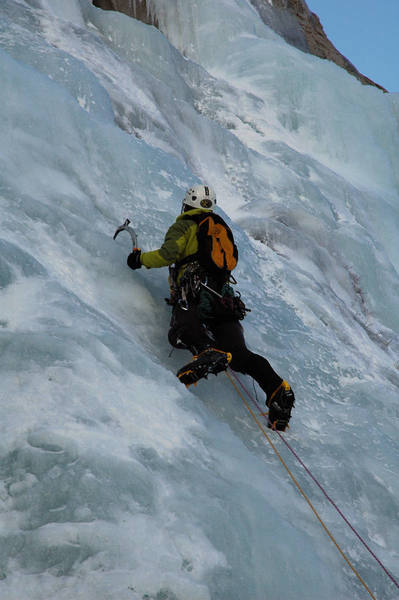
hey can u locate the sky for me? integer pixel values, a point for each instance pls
(367, 33)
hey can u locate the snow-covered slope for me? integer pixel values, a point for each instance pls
(116, 482)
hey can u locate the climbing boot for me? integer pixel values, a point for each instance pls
(280, 405)
(210, 360)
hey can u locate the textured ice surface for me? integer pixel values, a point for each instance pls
(114, 481)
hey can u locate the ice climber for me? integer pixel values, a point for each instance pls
(200, 251)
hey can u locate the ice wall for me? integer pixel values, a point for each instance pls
(115, 481)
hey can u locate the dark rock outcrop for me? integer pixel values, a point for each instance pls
(291, 19)
(302, 28)
(134, 8)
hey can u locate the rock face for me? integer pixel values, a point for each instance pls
(134, 8)
(291, 19)
(300, 27)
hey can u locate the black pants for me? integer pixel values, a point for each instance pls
(187, 331)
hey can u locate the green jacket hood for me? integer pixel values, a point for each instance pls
(180, 241)
(194, 211)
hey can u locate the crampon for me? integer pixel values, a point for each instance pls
(209, 361)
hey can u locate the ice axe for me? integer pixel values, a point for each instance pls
(130, 230)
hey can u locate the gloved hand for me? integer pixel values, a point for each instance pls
(133, 260)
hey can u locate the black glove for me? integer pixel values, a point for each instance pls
(133, 260)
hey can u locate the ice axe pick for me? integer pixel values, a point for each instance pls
(130, 230)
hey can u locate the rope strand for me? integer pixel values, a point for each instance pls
(298, 486)
(319, 485)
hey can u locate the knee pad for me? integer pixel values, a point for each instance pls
(175, 340)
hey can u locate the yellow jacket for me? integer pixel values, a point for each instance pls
(180, 241)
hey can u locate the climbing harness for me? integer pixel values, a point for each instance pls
(196, 286)
(230, 374)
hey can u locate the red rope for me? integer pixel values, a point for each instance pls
(319, 485)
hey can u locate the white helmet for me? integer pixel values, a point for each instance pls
(200, 196)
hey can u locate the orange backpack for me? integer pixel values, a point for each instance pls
(217, 252)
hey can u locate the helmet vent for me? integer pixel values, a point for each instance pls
(206, 203)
